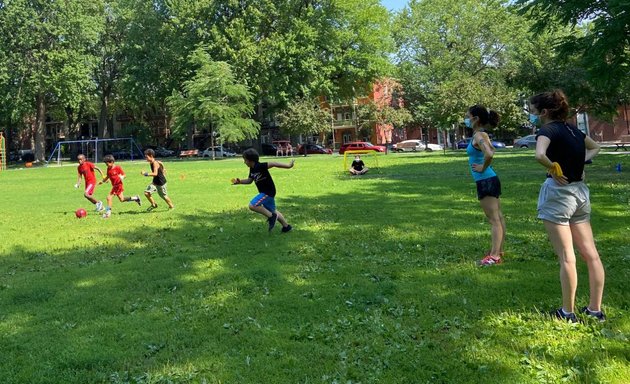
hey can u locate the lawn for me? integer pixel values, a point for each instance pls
(375, 284)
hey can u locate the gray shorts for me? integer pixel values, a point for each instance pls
(564, 204)
(160, 189)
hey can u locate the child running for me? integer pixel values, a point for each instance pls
(264, 203)
(86, 170)
(159, 181)
(115, 175)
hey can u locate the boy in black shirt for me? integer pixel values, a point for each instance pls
(263, 203)
(358, 166)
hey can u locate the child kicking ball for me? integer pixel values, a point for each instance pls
(264, 203)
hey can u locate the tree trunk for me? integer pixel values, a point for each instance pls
(190, 142)
(103, 132)
(40, 129)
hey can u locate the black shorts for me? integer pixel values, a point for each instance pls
(489, 187)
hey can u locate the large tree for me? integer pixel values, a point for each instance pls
(214, 98)
(596, 50)
(305, 117)
(456, 53)
(48, 60)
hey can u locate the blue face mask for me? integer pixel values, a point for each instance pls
(467, 122)
(534, 119)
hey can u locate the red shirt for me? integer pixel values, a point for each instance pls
(114, 174)
(87, 171)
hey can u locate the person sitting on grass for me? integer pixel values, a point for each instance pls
(358, 166)
(263, 203)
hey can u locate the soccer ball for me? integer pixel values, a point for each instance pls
(80, 213)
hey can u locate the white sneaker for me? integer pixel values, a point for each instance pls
(99, 206)
(107, 214)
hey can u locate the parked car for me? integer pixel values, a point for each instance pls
(528, 141)
(312, 149)
(360, 145)
(268, 149)
(160, 151)
(462, 144)
(218, 152)
(415, 145)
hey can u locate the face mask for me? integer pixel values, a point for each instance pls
(534, 119)
(467, 123)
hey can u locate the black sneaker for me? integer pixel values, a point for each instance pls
(272, 220)
(599, 315)
(287, 228)
(152, 208)
(559, 314)
(138, 201)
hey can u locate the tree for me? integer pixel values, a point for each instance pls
(212, 97)
(598, 44)
(305, 117)
(456, 53)
(47, 51)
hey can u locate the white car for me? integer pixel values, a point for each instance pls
(218, 152)
(414, 146)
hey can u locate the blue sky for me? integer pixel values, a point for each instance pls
(394, 5)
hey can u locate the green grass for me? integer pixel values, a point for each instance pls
(376, 284)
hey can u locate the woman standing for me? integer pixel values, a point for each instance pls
(480, 153)
(564, 203)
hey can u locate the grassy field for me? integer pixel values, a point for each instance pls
(375, 284)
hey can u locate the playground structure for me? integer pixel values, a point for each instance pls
(3, 153)
(94, 150)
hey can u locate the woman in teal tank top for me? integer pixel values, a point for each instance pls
(480, 154)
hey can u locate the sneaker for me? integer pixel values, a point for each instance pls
(152, 208)
(272, 220)
(489, 260)
(559, 314)
(99, 206)
(599, 315)
(138, 201)
(287, 228)
(107, 214)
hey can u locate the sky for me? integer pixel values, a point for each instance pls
(394, 5)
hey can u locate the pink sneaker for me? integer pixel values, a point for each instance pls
(489, 260)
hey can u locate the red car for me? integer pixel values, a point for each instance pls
(360, 145)
(313, 149)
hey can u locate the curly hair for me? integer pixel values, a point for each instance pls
(555, 102)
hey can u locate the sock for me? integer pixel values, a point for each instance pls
(591, 311)
(565, 313)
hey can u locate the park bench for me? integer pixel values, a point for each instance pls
(618, 144)
(189, 153)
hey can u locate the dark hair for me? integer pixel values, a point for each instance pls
(251, 155)
(149, 152)
(555, 102)
(108, 159)
(486, 116)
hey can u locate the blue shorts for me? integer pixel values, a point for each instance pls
(264, 200)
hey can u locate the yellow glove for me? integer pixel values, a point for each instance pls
(555, 170)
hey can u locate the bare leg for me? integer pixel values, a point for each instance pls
(492, 208)
(281, 219)
(583, 240)
(150, 198)
(260, 209)
(562, 242)
(168, 201)
(90, 198)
